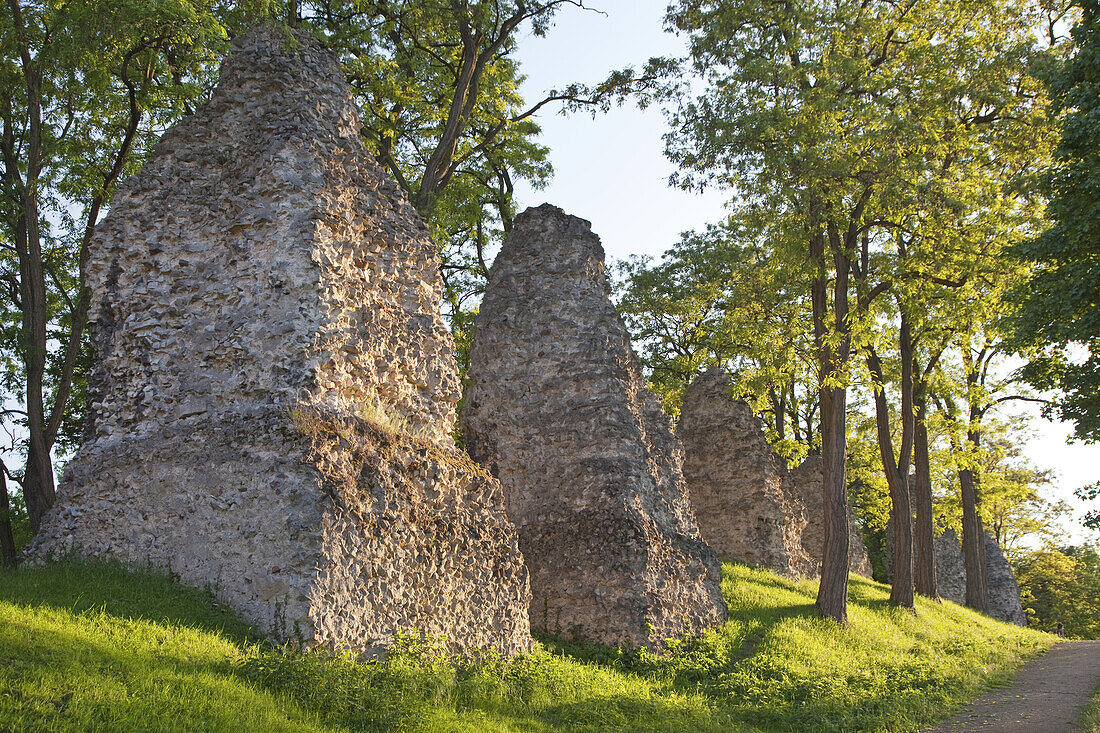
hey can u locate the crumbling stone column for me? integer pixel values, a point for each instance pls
(736, 481)
(273, 390)
(749, 506)
(558, 410)
(1001, 590)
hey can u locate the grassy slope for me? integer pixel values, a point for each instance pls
(93, 647)
(1090, 716)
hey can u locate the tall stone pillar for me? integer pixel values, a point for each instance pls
(558, 410)
(274, 389)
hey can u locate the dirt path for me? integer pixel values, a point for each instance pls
(1047, 695)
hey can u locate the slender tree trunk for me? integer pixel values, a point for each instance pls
(972, 540)
(7, 540)
(38, 483)
(924, 559)
(897, 468)
(832, 594)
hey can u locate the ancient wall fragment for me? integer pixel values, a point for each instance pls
(558, 410)
(805, 483)
(750, 508)
(1002, 594)
(274, 388)
(737, 482)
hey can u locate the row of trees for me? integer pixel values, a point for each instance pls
(885, 162)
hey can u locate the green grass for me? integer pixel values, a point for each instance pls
(1090, 716)
(94, 647)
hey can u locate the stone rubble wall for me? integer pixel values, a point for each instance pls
(750, 508)
(1002, 594)
(274, 388)
(805, 482)
(558, 410)
(261, 257)
(737, 482)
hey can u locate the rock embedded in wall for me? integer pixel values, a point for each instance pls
(558, 410)
(950, 566)
(274, 389)
(737, 483)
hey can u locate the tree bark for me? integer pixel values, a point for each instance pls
(973, 546)
(897, 471)
(832, 594)
(924, 558)
(38, 481)
(7, 540)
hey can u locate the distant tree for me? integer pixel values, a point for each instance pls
(438, 83)
(1058, 307)
(1090, 493)
(1061, 585)
(721, 297)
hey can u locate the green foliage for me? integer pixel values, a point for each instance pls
(1058, 310)
(87, 88)
(1014, 505)
(438, 84)
(20, 522)
(724, 297)
(96, 647)
(1090, 493)
(1062, 585)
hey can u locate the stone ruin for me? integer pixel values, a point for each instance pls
(274, 388)
(805, 482)
(558, 410)
(737, 482)
(750, 508)
(1002, 594)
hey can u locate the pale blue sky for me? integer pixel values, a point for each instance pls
(611, 170)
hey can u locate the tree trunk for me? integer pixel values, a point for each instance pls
(924, 558)
(973, 550)
(38, 483)
(7, 540)
(901, 589)
(832, 593)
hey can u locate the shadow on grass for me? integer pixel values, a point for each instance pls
(79, 586)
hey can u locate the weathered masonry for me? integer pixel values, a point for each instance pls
(274, 388)
(558, 410)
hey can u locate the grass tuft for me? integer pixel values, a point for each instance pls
(86, 646)
(1089, 721)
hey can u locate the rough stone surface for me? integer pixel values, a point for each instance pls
(558, 410)
(805, 482)
(274, 389)
(1001, 591)
(736, 481)
(950, 567)
(749, 506)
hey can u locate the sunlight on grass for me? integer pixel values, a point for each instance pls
(1090, 716)
(95, 647)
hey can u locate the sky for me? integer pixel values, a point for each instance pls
(611, 171)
